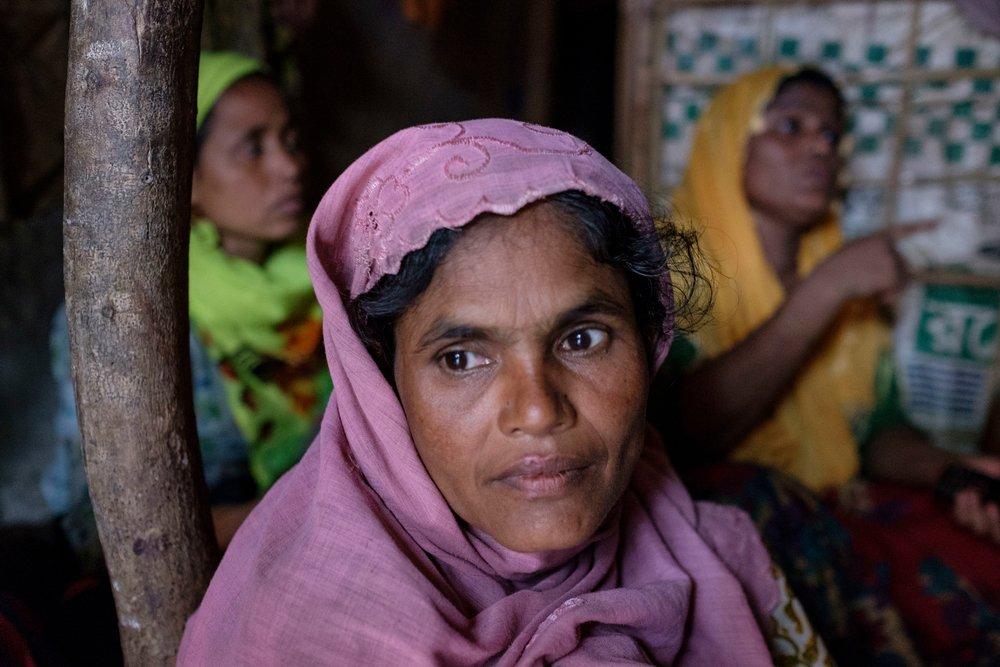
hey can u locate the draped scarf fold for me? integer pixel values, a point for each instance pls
(262, 325)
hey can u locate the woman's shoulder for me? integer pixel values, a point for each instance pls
(316, 555)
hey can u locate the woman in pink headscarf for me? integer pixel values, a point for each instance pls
(484, 488)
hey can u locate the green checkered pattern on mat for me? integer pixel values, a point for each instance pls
(954, 126)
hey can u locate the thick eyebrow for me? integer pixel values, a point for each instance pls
(597, 302)
(802, 110)
(444, 329)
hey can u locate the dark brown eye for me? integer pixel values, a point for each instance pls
(459, 361)
(253, 148)
(583, 339)
(788, 125)
(290, 141)
(832, 137)
(456, 361)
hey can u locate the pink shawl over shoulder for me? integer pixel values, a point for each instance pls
(354, 557)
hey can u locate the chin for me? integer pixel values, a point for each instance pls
(810, 215)
(544, 543)
(553, 533)
(814, 208)
(282, 230)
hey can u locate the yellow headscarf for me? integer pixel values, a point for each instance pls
(811, 434)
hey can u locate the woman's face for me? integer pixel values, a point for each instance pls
(524, 379)
(791, 166)
(247, 177)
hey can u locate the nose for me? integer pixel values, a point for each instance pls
(285, 163)
(534, 403)
(822, 145)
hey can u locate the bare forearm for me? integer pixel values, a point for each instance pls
(903, 454)
(726, 397)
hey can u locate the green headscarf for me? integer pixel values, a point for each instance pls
(260, 322)
(217, 70)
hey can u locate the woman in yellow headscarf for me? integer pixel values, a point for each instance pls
(792, 349)
(789, 371)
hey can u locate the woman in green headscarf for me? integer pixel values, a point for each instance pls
(260, 379)
(252, 303)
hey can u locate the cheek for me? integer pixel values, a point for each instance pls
(231, 182)
(446, 422)
(616, 409)
(762, 172)
(236, 202)
(243, 192)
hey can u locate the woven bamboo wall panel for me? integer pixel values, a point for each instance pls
(923, 90)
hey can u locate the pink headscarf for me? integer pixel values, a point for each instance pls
(355, 557)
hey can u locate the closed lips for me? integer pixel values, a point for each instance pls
(289, 204)
(538, 476)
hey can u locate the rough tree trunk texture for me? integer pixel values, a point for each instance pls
(130, 103)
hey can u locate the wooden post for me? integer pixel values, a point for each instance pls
(538, 69)
(129, 141)
(633, 108)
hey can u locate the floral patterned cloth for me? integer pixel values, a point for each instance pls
(793, 640)
(944, 580)
(852, 613)
(883, 573)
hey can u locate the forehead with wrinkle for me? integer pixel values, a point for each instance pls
(511, 272)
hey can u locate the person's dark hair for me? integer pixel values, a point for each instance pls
(206, 124)
(812, 76)
(611, 238)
